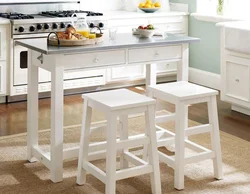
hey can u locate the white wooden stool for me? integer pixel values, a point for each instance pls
(119, 103)
(183, 94)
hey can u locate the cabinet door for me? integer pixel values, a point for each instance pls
(2, 43)
(236, 81)
(2, 78)
(125, 73)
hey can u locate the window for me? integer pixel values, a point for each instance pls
(232, 8)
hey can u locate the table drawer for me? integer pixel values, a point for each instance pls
(154, 54)
(95, 59)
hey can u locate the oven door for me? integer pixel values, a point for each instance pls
(20, 67)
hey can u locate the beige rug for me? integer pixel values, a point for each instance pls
(17, 176)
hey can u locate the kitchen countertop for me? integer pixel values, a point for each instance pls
(122, 41)
(4, 21)
(127, 14)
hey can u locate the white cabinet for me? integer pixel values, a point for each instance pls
(235, 66)
(2, 77)
(172, 24)
(3, 58)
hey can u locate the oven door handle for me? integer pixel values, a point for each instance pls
(40, 58)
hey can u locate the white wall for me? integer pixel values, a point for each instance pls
(207, 6)
(102, 5)
(89, 5)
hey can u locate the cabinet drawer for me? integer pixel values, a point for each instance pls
(176, 28)
(164, 20)
(154, 54)
(3, 32)
(164, 68)
(95, 59)
(133, 72)
(128, 22)
(237, 83)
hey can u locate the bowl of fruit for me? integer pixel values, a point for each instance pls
(146, 31)
(149, 7)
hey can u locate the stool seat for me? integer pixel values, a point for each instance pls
(181, 90)
(118, 99)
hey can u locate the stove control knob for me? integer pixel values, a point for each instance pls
(62, 25)
(32, 28)
(21, 29)
(46, 26)
(54, 26)
(91, 25)
(39, 26)
(69, 25)
(101, 25)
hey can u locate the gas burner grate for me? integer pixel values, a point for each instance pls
(69, 13)
(16, 16)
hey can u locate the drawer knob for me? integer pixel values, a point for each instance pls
(156, 54)
(96, 60)
(237, 80)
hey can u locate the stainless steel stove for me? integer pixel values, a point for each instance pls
(51, 21)
(39, 25)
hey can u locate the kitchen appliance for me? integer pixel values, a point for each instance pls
(39, 25)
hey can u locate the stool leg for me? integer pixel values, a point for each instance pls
(124, 136)
(149, 93)
(180, 123)
(215, 138)
(84, 144)
(111, 154)
(152, 149)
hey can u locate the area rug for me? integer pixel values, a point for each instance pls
(17, 176)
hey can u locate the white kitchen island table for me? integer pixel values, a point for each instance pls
(127, 49)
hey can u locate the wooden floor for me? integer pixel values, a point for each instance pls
(13, 116)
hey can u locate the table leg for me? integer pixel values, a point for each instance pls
(150, 76)
(182, 69)
(56, 168)
(32, 120)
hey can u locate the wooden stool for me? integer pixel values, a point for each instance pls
(119, 103)
(183, 94)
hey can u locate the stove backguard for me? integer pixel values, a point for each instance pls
(39, 6)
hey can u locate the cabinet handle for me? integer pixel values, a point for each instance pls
(96, 60)
(237, 80)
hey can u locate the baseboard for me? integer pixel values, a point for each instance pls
(204, 78)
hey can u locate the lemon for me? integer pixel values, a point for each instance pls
(152, 6)
(141, 5)
(147, 6)
(157, 4)
(148, 2)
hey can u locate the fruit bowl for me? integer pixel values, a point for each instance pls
(149, 10)
(144, 33)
